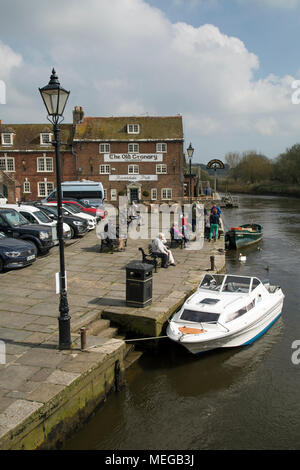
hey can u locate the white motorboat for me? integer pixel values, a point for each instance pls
(226, 311)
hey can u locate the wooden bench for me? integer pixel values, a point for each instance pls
(151, 258)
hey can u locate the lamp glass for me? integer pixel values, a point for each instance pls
(190, 151)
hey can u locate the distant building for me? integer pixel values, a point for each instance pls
(140, 157)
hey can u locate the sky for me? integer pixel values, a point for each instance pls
(231, 68)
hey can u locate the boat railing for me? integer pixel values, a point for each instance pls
(225, 327)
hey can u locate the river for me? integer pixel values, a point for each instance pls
(245, 398)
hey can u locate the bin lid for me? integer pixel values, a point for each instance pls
(139, 265)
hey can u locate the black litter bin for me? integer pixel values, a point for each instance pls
(138, 284)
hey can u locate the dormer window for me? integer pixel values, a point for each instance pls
(45, 138)
(7, 138)
(133, 128)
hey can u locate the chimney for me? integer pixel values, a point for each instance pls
(78, 115)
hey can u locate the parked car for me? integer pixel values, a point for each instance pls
(74, 210)
(14, 225)
(96, 212)
(3, 199)
(15, 253)
(35, 216)
(77, 225)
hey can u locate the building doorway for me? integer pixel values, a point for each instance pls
(134, 195)
(3, 190)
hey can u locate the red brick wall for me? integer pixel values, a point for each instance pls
(89, 160)
(28, 170)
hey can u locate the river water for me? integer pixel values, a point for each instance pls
(245, 398)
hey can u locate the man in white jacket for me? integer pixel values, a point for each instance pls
(158, 246)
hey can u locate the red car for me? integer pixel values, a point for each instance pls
(95, 211)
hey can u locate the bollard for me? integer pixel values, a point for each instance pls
(212, 263)
(82, 338)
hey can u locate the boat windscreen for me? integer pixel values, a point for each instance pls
(212, 281)
(199, 317)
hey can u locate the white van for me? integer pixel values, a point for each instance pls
(35, 216)
(89, 192)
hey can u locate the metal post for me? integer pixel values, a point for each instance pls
(64, 318)
(190, 180)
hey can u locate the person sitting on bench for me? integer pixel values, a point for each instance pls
(161, 250)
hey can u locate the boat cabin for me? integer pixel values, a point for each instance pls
(223, 298)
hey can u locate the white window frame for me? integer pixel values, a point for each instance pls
(133, 148)
(166, 193)
(48, 188)
(161, 169)
(161, 147)
(153, 194)
(104, 148)
(113, 195)
(26, 187)
(49, 137)
(133, 169)
(9, 164)
(41, 164)
(133, 128)
(104, 169)
(4, 135)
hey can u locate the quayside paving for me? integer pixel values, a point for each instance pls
(44, 392)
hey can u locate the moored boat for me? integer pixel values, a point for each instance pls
(226, 311)
(243, 235)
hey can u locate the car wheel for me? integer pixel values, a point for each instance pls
(72, 232)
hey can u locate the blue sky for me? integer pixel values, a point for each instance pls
(227, 66)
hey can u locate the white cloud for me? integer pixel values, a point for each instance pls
(125, 57)
(8, 60)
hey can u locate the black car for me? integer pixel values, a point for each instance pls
(15, 253)
(14, 225)
(77, 225)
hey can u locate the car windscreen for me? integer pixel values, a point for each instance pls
(72, 208)
(14, 218)
(49, 210)
(199, 317)
(42, 217)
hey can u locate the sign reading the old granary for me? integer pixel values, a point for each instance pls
(133, 157)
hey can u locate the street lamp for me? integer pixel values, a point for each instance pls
(190, 152)
(55, 98)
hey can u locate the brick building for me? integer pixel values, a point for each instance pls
(27, 160)
(141, 157)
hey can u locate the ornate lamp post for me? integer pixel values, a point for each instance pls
(190, 152)
(55, 98)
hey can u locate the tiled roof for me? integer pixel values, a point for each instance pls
(115, 128)
(27, 136)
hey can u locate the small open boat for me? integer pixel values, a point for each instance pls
(226, 311)
(243, 235)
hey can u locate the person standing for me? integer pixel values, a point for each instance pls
(214, 220)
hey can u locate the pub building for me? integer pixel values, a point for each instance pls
(140, 157)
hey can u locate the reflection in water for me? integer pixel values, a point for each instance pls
(245, 398)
